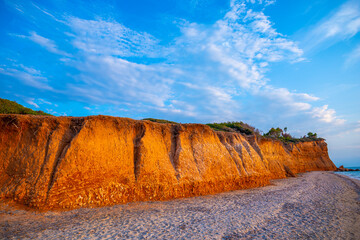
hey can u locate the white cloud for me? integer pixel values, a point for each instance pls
(44, 11)
(293, 101)
(342, 24)
(357, 128)
(32, 103)
(353, 57)
(306, 97)
(265, 2)
(43, 101)
(214, 65)
(326, 115)
(240, 47)
(111, 38)
(46, 43)
(28, 76)
(125, 81)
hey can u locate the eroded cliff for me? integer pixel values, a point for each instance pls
(68, 162)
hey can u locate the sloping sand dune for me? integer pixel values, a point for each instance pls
(316, 205)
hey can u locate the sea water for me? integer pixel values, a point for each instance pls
(354, 174)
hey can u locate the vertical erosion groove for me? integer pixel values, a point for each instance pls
(239, 148)
(193, 153)
(288, 148)
(288, 171)
(140, 132)
(247, 147)
(73, 130)
(13, 121)
(46, 156)
(175, 148)
(252, 140)
(228, 148)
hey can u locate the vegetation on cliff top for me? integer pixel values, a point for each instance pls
(11, 107)
(244, 128)
(239, 127)
(284, 136)
(274, 133)
(159, 120)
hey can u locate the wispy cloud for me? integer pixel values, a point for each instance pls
(111, 38)
(265, 2)
(45, 43)
(240, 47)
(340, 25)
(125, 81)
(357, 128)
(28, 76)
(32, 103)
(353, 57)
(203, 73)
(46, 12)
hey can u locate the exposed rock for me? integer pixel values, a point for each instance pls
(342, 169)
(68, 162)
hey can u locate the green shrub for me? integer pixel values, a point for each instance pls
(274, 132)
(279, 134)
(233, 127)
(11, 107)
(311, 135)
(159, 120)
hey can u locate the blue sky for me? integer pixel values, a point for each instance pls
(281, 63)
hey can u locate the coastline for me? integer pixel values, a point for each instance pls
(352, 174)
(313, 205)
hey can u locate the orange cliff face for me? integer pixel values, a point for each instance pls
(68, 162)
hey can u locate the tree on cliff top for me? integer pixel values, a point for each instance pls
(11, 107)
(274, 132)
(311, 135)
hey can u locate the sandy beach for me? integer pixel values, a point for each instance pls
(315, 205)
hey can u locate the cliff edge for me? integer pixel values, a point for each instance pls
(70, 162)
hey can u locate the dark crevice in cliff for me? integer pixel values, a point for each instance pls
(73, 130)
(193, 153)
(288, 172)
(15, 122)
(238, 148)
(175, 148)
(228, 146)
(323, 161)
(140, 132)
(288, 147)
(252, 140)
(247, 147)
(46, 156)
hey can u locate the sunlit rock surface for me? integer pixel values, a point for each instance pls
(69, 162)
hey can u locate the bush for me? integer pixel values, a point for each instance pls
(239, 127)
(274, 132)
(311, 135)
(11, 107)
(278, 133)
(159, 120)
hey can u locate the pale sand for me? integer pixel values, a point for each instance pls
(316, 205)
